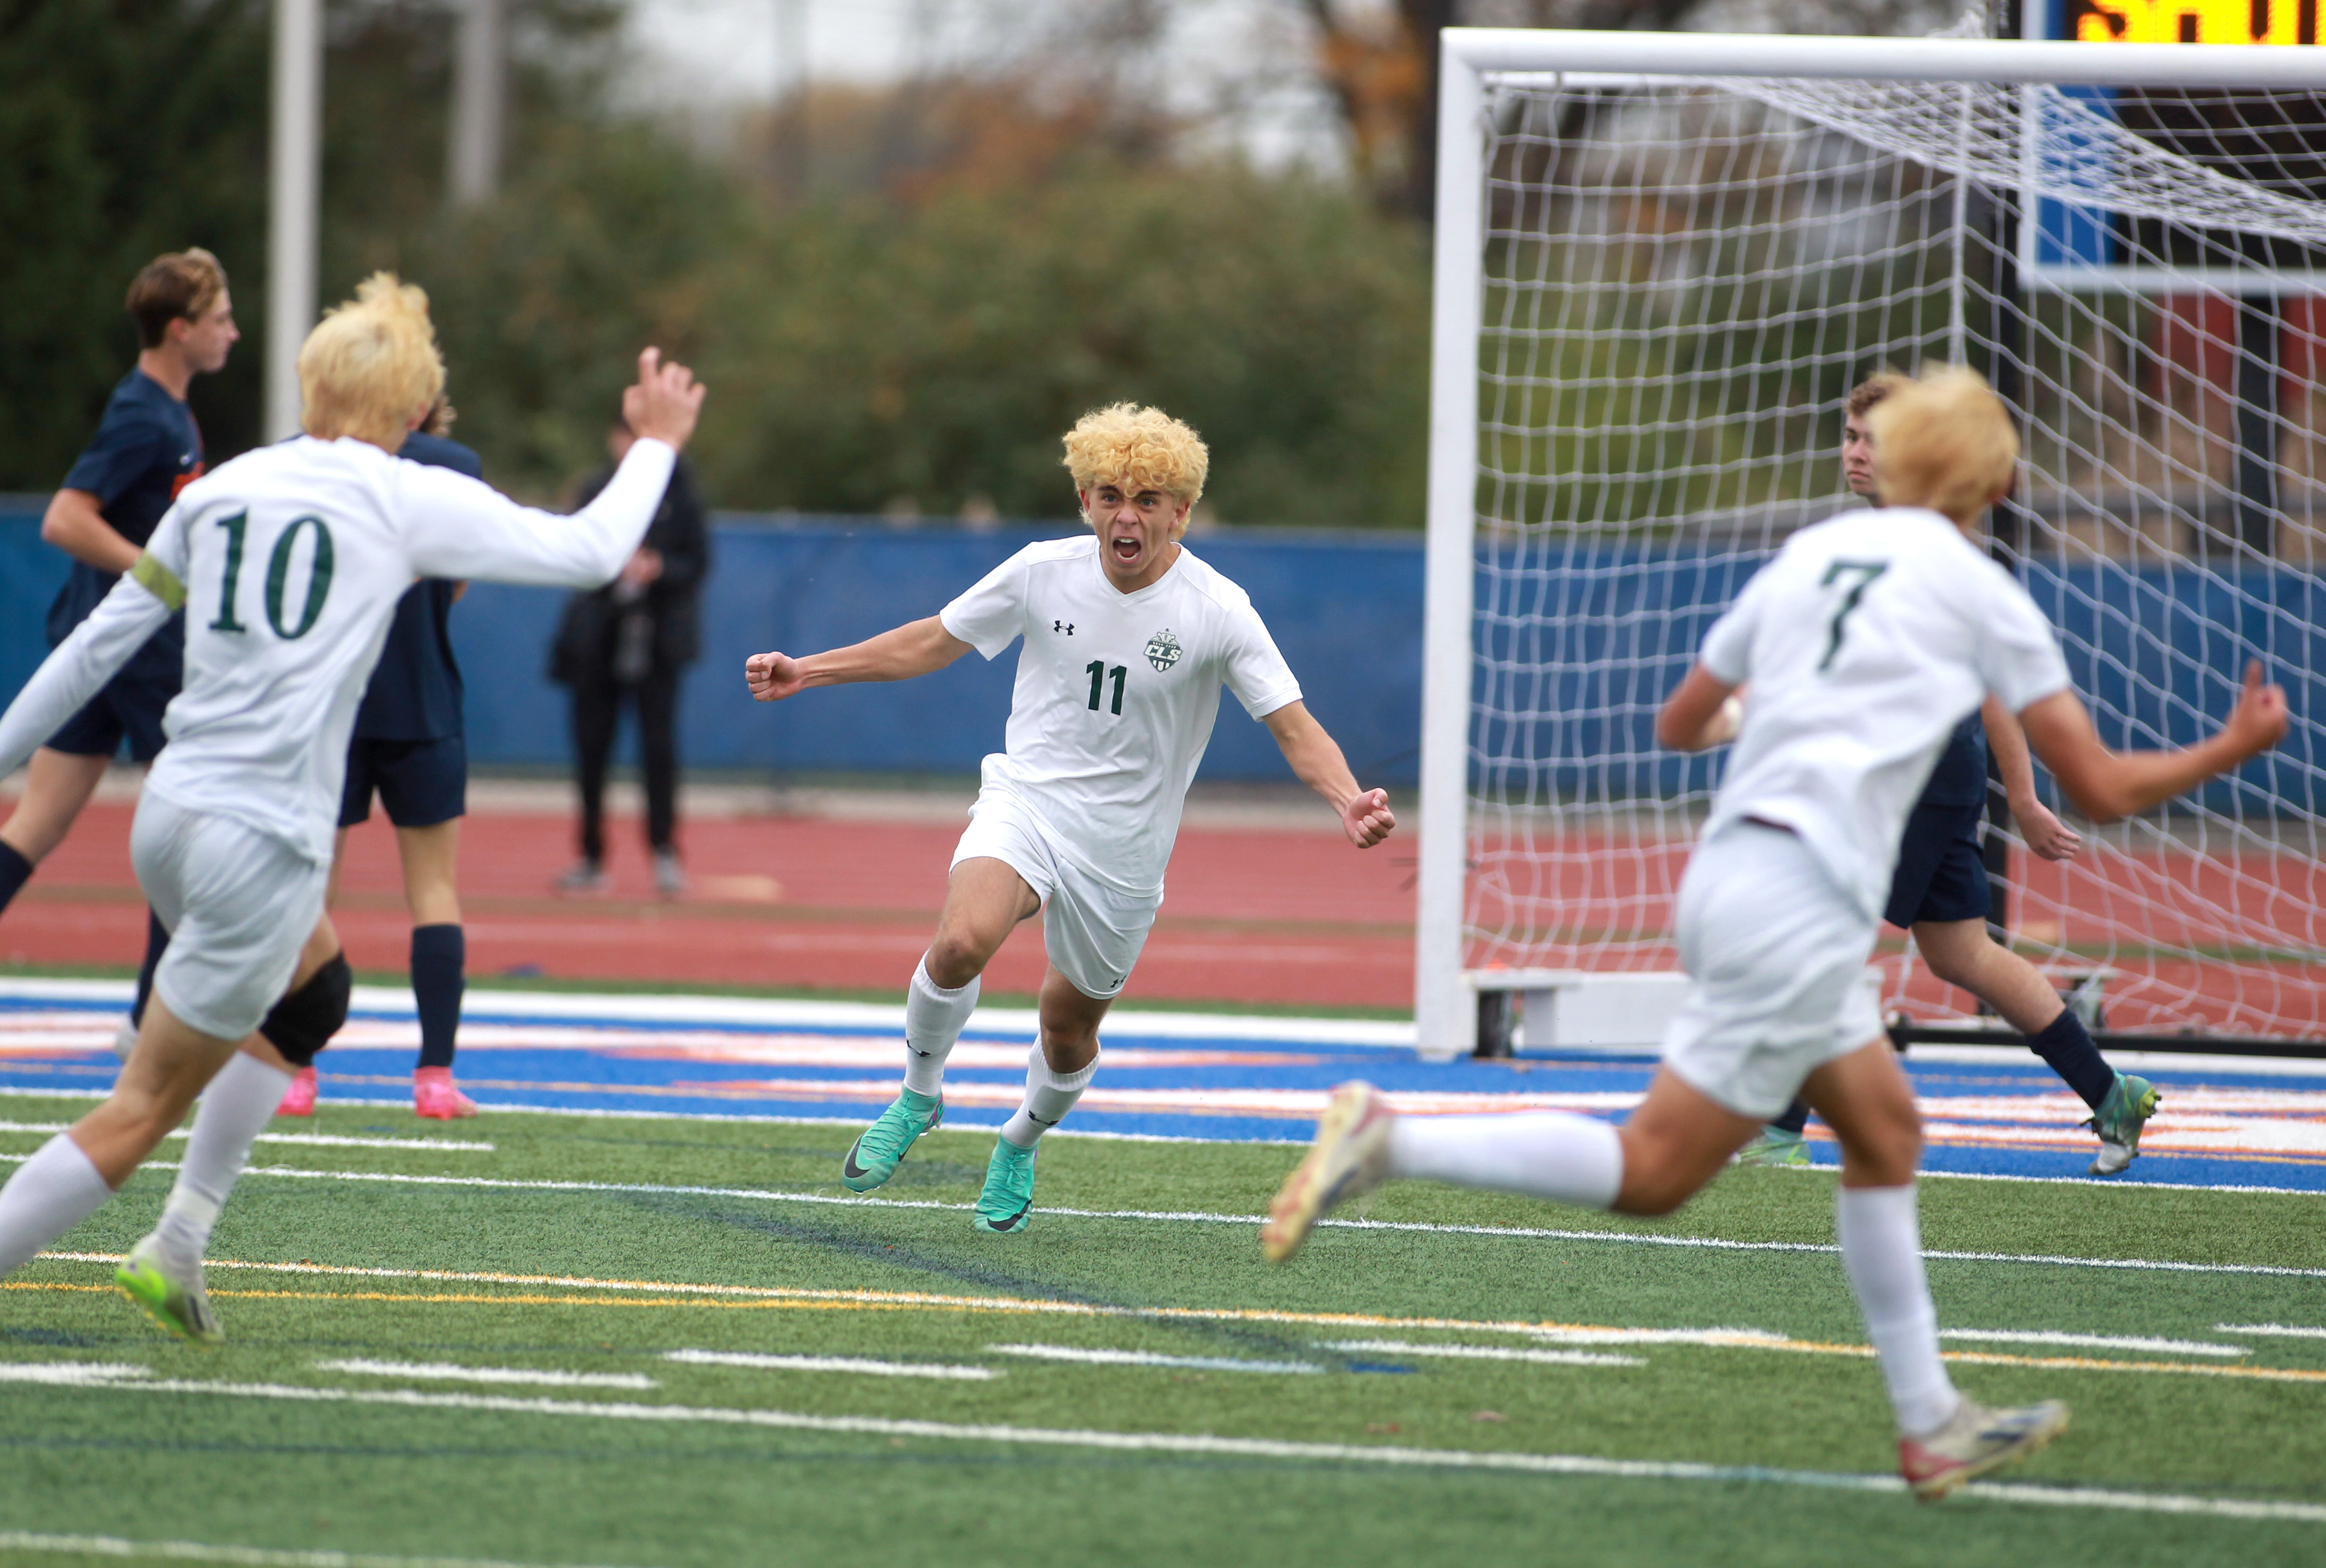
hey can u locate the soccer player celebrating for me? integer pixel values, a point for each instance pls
(1866, 640)
(290, 562)
(147, 447)
(1128, 639)
(1940, 891)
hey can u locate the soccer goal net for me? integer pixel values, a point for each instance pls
(1663, 260)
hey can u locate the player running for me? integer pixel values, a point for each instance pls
(1128, 639)
(289, 561)
(1867, 640)
(1940, 892)
(147, 448)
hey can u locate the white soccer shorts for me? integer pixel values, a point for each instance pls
(1091, 932)
(1775, 952)
(238, 905)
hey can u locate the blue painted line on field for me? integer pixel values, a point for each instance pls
(1213, 1082)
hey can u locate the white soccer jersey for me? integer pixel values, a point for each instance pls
(289, 561)
(1867, 641)
(1116, 695)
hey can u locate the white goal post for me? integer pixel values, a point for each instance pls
(1662, 260)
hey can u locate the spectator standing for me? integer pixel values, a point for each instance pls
(631, 639)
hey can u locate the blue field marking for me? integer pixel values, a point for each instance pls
(1997, 1113)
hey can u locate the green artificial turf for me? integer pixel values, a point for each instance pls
(677, 1204)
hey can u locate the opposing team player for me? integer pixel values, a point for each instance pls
(289, 562)
(1128, 639)
(1866, 640)
(147, 447)
(1941, 893)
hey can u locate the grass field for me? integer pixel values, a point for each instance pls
(467, 1353)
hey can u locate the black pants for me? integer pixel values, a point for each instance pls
(597, 713)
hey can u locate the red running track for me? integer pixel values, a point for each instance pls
(1250, 916)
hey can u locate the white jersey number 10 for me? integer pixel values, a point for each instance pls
(278, 577)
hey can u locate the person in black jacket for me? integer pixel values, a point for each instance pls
(631, 638)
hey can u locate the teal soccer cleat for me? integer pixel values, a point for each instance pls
(2130, 1102)
(1775, 1146)
(873, 1158)
(1006, 1207)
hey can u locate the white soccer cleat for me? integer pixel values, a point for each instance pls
(1977, 1440)
(1349, 1159)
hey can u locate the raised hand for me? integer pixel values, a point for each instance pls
(665, 401)
(2259, 721)
(1367, 819)
(772, 677)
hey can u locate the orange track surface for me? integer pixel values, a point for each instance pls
(1251, 915)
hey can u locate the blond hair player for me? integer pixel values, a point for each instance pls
(1127, 638)
(1866, 639)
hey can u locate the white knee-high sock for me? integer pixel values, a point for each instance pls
(1049, 1095)
(1541, 1154)
(1881, 1234)
(235, 1108)
(52, 1193)
(934, 1019)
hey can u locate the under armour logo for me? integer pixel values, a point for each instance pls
(1065, 626)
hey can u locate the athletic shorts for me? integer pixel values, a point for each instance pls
(1775, 953)
(1942, 873)
(1091, 932)
(421, 782)
(238, 905)
(129, 706)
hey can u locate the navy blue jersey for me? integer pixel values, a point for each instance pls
(146, 449)
(415, 691)
(1960, 777)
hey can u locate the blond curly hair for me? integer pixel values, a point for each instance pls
(371, 365)
(1137, 449)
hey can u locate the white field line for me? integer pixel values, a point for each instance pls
(1199, 1217)
(1150, 1359)
(446, 1372)
(312, 1140)
(831, 1364)
(2274, 1330)
(74, 1374)
(242, 1557)
(2093, 1341)
(1206, 1444)
(1485, 1353)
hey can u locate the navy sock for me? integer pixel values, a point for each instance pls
(15, 872)
(1796, 1116)
(2067, 1046)
(439, 953)
(157, 942)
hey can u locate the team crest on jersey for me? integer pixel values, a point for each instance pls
(1163, 649)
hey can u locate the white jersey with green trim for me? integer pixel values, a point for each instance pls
(289, 561)
(1116, 695)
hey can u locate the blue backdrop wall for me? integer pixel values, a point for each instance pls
(1346, 610)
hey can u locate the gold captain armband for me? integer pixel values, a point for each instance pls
(159, 581)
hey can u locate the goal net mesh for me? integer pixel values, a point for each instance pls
(1684, 279)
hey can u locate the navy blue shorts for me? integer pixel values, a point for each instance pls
(127, 706)
(421, 782)
(1941, 875)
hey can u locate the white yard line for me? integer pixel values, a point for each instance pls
(2093, 1341)
(1485, 1353)
(1151, 1359)
(312, 1140)
(831, 1364)
(1251, 1448)
(446, 1372)
(2273, 1331)
(242, 1557)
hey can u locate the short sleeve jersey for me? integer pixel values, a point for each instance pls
(1867, 641)
(1116, 695)
(147, 448)
(415, 691)
(292, 560)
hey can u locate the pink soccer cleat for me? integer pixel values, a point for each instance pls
(433, 1095)
(298, 1099)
